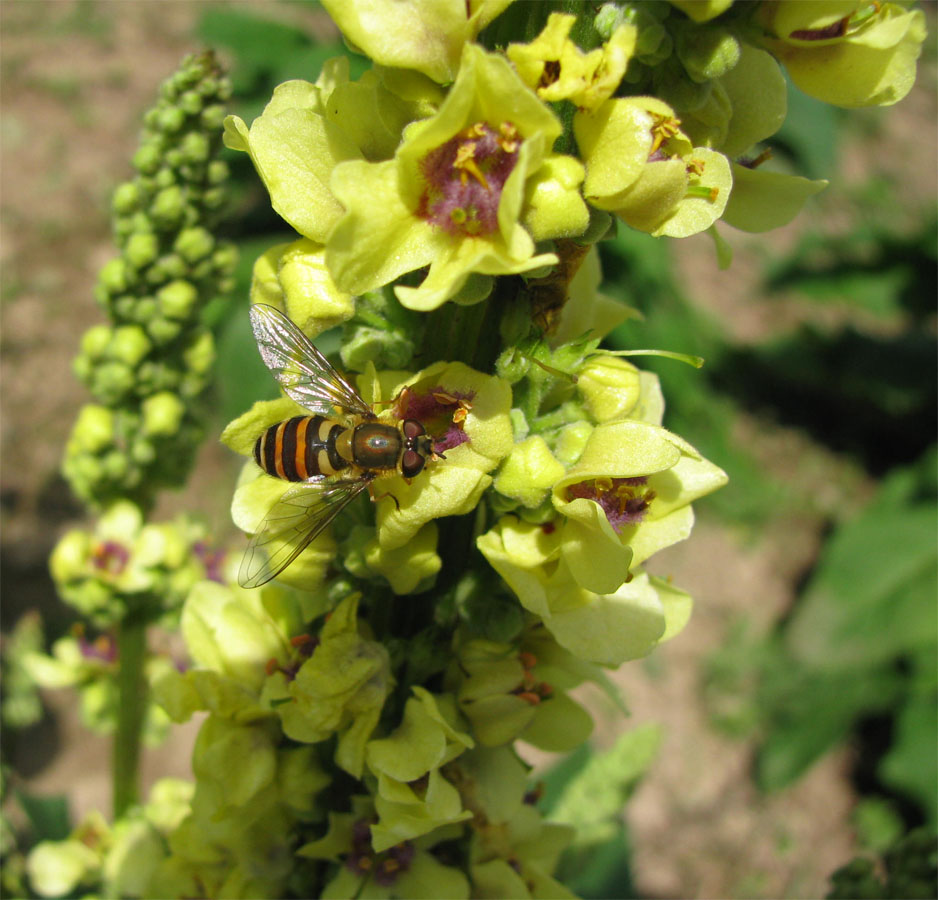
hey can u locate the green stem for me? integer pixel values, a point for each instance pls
(131, 689)
(471, 335)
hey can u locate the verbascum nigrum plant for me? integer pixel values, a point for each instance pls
(453, 532)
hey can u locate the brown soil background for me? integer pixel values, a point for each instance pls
(75, 80)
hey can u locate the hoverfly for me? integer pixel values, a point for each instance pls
(331, 459)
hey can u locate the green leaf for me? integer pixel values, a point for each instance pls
(911, 765)
(813, 713)
(48, 816)
(872, 597)
(599, 869)
(267, 51)
(597, 793)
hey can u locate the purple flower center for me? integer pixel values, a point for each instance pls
(110, 557)
(441, 411)
(211, 559)
(834, 30)
(385, 867)
(624, 500)
(465, 177)
(103, 648)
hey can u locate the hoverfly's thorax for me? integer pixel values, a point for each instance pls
(376, 446)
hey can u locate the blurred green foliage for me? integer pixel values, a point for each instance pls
(588, 790)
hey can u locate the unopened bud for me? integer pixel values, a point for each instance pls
(169, 205)
(610, 387)
(141, 249)
(129, 345)
(162, 414)
(177, 299)
(194, 244)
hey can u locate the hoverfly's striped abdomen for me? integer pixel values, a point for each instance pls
(300, 448)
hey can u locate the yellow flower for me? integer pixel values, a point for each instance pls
(455, 196)
(557, 69)
(847, 53)
(642, 167)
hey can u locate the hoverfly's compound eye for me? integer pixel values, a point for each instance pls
(412, 429)
(412, 463)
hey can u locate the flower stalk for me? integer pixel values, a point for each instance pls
(132, 704)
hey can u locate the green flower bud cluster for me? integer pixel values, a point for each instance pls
(149, 367)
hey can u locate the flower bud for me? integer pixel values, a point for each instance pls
(529, 472)
(113, 276)
(115, 465)
(385, 349)
(163, 330)
(147, 159)
(554, 207)
(124, 307)
(194, 244)
(141, 249)
(217, 171)
(95, 340)
(162, 414)
(170, 119)
(177, 299)
(112, 380)
(225, 257)
(129, 345)
(143, 452)
(569, 443)
(70, 557)
(191, 102)
(169, 205)
(200, 354)
(707, 53)
(195, 147)
(610, 387)
(165, 178)
(406, 568)
(126, 199)
(213, 198)
(213, 117)
(56, 868)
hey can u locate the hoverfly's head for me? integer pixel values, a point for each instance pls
(418, 447)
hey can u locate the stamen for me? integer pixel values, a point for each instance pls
(663, 129)
(465, 162)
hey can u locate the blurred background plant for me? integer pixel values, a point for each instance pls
(815, 642)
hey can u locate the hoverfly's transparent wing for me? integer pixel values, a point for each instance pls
(303, 372)
(292, 523)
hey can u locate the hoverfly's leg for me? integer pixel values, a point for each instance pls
(375, 497)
